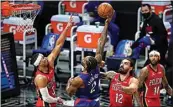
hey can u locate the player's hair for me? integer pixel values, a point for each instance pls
(131, 62)
(148, 5)
(91, 63)
(131, 65)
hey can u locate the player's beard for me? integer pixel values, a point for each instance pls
(154, 63)
(122, 71)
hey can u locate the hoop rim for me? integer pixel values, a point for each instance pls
(17, 7)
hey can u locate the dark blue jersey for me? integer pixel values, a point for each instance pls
(91, 82)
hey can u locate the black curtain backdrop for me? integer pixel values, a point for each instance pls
(126, 18)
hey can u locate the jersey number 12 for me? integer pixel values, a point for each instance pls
(119, 98)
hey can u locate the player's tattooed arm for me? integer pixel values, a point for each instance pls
(142, 76)
(102, 40)
(137, 98)
(108, 75)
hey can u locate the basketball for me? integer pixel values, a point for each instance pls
(104, 10)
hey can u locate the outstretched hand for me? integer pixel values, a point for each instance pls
(102, 64)
(70, 22)
(109, 18)
(108, 74)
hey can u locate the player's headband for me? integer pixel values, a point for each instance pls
(154, 53)
(37, 61)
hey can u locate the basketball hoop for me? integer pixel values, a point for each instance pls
(22, 14)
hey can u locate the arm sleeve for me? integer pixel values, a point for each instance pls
(46, 97)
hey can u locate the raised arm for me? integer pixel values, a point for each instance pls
(59, 43)
(102, 41)
(166, 84)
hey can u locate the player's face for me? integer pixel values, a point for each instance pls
(154, 59)
(44, 62)
(125, 67)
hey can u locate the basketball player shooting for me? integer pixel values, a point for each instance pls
(44, 73)
(86, 85)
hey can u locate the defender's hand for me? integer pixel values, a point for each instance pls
(70, 22)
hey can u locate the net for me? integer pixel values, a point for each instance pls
(22, 15)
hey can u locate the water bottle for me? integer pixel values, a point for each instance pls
(63, 9)
(97, 24)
